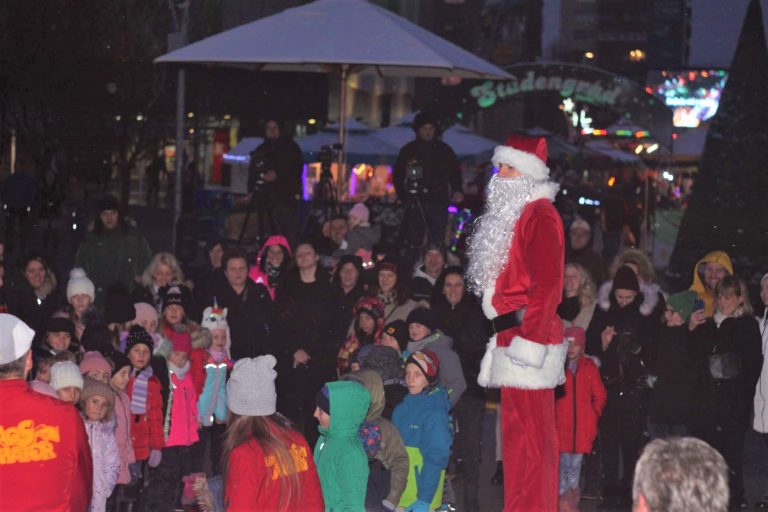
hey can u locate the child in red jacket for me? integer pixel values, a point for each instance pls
(146, 401)
(267, 465)
(578, 407)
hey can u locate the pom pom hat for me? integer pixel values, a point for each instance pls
(79, 284)
(526, 154)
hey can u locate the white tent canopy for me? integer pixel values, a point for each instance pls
(340, 37)
(326, 34)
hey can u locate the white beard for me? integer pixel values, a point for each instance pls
(489, 244)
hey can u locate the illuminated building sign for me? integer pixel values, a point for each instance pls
(581, 84)
(693, 96)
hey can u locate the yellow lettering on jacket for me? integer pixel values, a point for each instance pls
(27, 443)
(299, 456)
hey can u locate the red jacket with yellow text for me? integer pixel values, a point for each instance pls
(147, 429)
(253, 480)
(45, 459)
(531, 355)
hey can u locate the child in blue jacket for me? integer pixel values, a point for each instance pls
(424, 424)
(212, 402)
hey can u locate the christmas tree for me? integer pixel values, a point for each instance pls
(728, 210)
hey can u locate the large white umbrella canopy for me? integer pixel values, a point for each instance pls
(341, 37)
(325, 35)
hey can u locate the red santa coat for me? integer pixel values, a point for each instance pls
(531, 355)
(579, 408)
(45, 459)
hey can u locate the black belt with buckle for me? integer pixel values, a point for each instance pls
(503, 322)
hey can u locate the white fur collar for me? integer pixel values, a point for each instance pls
(545, 189)
(650, 297)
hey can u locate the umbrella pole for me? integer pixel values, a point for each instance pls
(340, 175)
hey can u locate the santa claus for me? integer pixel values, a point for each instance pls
(516, 265)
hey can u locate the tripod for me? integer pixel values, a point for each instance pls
(414, 213)
(260, 203)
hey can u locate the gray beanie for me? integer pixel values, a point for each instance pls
(251, 387)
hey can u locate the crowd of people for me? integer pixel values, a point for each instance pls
(308, 378)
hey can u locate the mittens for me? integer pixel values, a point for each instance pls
(155, 456)
(418, 506)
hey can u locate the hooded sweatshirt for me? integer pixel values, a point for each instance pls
(261, 276)
(424, 425)
(342, 464)
(392, 452)
(698, 285)
(451, 376)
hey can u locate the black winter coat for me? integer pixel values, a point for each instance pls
(23, 303)
(672, 364)
(284, 156)
(732, 397)
(466, 324)
(624, 362)
(251, 316)
(309, 319)
(440, 165)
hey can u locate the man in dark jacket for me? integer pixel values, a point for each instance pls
(440, 182)
(43, 444)
(276, 168)
(114, 252)
(251, 313)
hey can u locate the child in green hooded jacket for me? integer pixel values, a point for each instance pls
(339, 456)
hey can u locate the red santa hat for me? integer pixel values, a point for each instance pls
(526, 154)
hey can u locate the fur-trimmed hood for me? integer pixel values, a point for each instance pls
(201, 339)
(650, 293)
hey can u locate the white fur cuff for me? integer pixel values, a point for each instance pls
(526, 351)
(498, 370)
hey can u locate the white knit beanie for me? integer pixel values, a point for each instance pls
(80, 284)
(251, 388)
(66, 374)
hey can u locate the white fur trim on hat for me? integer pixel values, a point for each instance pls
(527, 163)
(80, 284)
(251, 387)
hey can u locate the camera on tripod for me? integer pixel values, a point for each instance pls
(414, 177)
(327, 155)
(261, 162)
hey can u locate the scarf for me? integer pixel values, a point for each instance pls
(273, 275)
(140, 391)
(389, 297)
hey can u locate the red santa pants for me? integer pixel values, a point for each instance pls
(530, 449)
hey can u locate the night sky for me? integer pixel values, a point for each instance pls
(715, 29)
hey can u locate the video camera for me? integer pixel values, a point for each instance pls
(327, 154)
(414, 177)
(261, 162)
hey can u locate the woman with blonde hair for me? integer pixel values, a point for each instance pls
(579, 297)
(728, 350)
(266, 464)
(163, 270)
